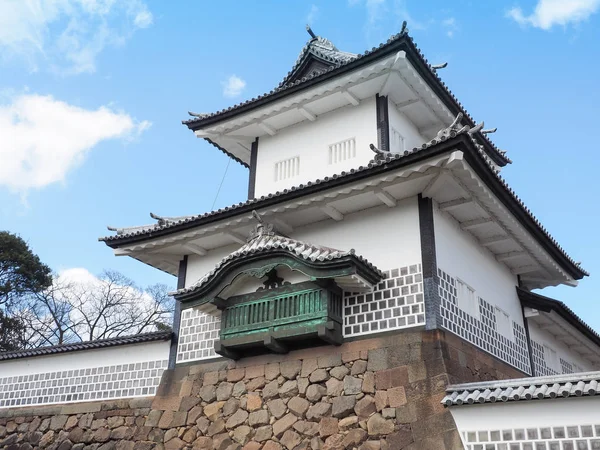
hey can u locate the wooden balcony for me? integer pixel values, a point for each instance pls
(276, 319)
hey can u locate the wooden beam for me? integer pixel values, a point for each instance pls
(351, 98)
(235, 237)
(122, 252)
(274, 345)
(406, 103)
(525, 269)
(470, 224)
(445, 206)
(494, 239)
(428, 190)
(282, 226)
(503, 257)
(385, 197)
(306, 113)
(332, 212)
(268, 129)
(196, 249)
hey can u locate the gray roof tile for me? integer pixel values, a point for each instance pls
(537, 388)
(90, 345)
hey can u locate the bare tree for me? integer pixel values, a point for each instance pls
(107, 306)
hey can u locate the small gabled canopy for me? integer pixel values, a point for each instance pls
(266, 249)
(316, 57)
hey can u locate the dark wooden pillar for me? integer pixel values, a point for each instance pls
(431, 293)
(252, 176)
(177, 313)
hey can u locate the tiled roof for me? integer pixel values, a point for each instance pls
(323, 49)
(548, 304)
(91, 345)
(537, 388)
(390, 162)
(345, 64)
(267, 241)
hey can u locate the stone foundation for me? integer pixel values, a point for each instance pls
(370, 394)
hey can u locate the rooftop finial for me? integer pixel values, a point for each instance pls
(404, 28)
(490, 130)
(261, 228)
(310, 31)
(439, 66)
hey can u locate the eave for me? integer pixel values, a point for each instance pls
(456, 161)
(399, 42)
(559, 320)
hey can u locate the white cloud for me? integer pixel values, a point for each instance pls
(67, 35)
(233, 86)
(44, 138)
(548, 13)
(312, 14)
(450, 26)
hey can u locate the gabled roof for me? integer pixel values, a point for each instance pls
(341, 65)
(265, 240)
(317, 50)
(536, 388)
(547, 304)
(476, 156)
(90, 345)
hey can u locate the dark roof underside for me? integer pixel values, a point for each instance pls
(547, 304)
(401, 41)
(91, 345)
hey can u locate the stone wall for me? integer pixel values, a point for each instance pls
(370, 394)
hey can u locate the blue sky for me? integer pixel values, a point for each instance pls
(92, 94)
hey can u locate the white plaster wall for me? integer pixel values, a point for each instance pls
(412, 137)
(387, 237)
(544, 337)
(527, 414)
(84, 359)
(461, 256)
(310, 141)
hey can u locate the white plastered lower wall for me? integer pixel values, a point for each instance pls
(115, 372)
(552, 424)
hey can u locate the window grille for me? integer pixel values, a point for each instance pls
(287, 168)
(342, 151)
(467, 300)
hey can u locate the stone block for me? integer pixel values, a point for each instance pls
(284, 424)
(318, 410)
(255, 383)
(236, 419)
(355, 437)
(358, 367)
(270, 390)
(203, 442)
(277, 408)
(368, 385)
(350, 356)
(171, 419)
(306, 428)
(263, 433)
(213, 410)
(188, 403)
(298, 406)
(167, 403)
(327, 361)
(174, 444)
(122, 433)
(309, 365)
(258, 418)
(290, 439)
(253, 402)
(378, 426)
(216, 427)
(406, 414)
(390, 378)
(235, 375)
(231, 406)
(352, 385)
(255, 371)
(242, 434)
(272, 445)
(396, 397)
(80, 408)
(334, 387)
(339, 372)
(343, 406)
(224, 391)
(252, 445)
(328, 426)
(334, 442)
(377, 359)
(318, 376)
(433, 425)
(210, 378)
(272, 371)
(56, 423)
(365, 407)
(290, 369)
(193, 414)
